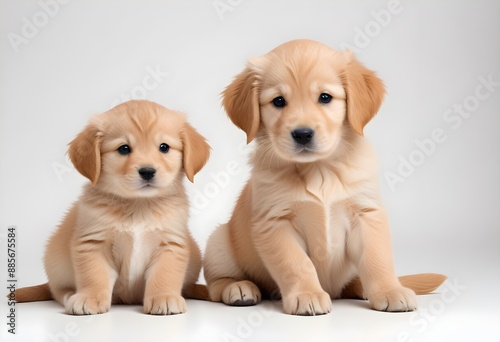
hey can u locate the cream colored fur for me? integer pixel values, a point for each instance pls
(310, 219)
(126, 240)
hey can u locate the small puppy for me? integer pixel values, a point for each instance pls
(126, 239)
(309, 225)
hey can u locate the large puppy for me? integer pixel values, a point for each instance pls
(309, 225)
(126, 239)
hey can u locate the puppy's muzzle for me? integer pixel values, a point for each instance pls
(302, 136)
(147, 173)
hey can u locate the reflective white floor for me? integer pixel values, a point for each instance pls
(461, 310)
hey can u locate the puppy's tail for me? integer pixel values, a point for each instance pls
(420, 283)
(42, 292)
(31, 294)
(195, 291)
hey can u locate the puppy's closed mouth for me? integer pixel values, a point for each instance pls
(147, 185)
(305, 154)
(305, 150)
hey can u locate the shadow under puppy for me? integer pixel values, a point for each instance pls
(309, 225)
(126, 239)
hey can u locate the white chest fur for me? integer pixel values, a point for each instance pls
(327, 226)
(133, 250)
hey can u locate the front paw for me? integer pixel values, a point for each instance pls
(307, 303)
(395, 300)
(84, 304)
(165, 305)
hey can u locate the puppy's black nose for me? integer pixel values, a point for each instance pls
(147, 173)
(302, 136)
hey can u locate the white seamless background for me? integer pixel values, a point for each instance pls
(436, 136)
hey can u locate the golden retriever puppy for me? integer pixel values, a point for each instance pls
(126, 239)
(309, 225)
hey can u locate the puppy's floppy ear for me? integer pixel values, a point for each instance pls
(196, 151)
(364, 91)
(85, 152)
(241, 102)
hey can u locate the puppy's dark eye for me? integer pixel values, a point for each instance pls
(325, 98)
(164, 148)
(279, 102)
(124, 150)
